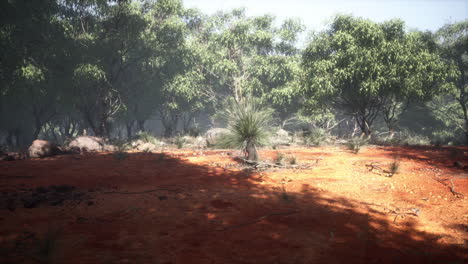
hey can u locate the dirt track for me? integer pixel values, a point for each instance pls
(192, 207)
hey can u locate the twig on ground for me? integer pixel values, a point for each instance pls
(256, 220)
(375, 166)
(451, 188)
(262, 165)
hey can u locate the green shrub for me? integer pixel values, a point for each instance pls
(356, 143)
(411, 139)
(248, 125)
(120, 155)
(179, 142)
(146, 137)
(316, 137)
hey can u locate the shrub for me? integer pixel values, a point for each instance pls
(179, 142)
(248, 128)
(316, 137)
(146, 137)
(292, 160)
(394, 167)
(411, 139)
(279, 158)
(356, 143)
(120, 155)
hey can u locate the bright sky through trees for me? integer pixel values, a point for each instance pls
(419, 14)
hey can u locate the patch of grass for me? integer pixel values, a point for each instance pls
(179, 142)
(292, 160)
(146, 137)
(279, 158)
(316, 137)
(355, 144)
(394, 167)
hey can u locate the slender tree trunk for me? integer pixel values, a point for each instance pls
(141, 125)
(251, 151)
(129, 130)
(17, 138)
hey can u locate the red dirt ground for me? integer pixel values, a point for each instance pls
(201, 207)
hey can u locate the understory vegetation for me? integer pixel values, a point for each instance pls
(133, 70)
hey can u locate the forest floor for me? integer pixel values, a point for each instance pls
(192, 206)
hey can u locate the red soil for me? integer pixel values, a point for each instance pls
(192, 207)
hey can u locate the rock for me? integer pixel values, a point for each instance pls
(213, 135)
(42, 149)
(140, 145)
(196, 142)
(281, 137)
(88, 144)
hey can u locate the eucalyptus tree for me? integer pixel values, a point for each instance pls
(33, 40)
(364, 68)
(453, 43)
(108, 37)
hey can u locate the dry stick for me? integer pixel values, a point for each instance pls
(376, 167)
(256, 220)
(266, 164)
(451, 188)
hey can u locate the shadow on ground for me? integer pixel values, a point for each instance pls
(152, 208)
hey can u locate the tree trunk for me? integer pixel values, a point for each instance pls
(251, 151)
(129, 130)
(141, 125)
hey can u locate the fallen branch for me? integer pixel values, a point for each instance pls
(256, 220)
(375, 166)
(261, 165)
(451, 188)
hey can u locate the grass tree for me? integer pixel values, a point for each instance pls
(248, 123)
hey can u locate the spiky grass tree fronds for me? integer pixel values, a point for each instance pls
(248, 124)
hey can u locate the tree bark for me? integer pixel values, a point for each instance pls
(129, 130)
(251, 151)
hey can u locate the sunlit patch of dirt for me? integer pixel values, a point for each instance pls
(194, 206)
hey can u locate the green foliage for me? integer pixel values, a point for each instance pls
(356, 143)
(179, 141)
(365, 69)
(316, 137)
(248, 124)
(120, 155)
(408, 138)
(147, 137)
